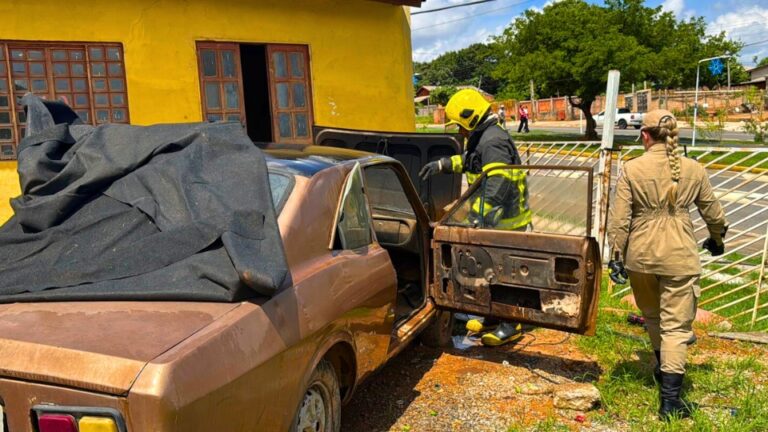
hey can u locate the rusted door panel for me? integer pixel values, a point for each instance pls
(547, 280)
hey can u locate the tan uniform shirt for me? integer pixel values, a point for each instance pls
(651, 236)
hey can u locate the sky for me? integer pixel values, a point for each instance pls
(449, 30)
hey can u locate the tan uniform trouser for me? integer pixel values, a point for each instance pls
(668, 304)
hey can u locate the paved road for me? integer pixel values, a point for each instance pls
(631, 132)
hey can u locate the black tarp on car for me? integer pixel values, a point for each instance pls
(118, 212)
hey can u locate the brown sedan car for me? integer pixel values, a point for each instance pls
(370, 271)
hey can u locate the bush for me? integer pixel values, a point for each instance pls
(759, 130)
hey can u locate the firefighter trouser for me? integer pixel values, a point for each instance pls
(668, 304)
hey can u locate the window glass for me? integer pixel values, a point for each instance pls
(60, 69)
(297, 65)
(385, 192)
(98, 69)
(209, 62)
(3, 85)
(102, 116)
(301, 125)
(117, 99)
(354, 224)
(78, 69)
(299, 96)
(212, 97)
(232, 95)
(77, 54)
(280, 185)
(36, 69)
(39, 85)
(115, 69)
(59, 54)
(3, 101)
(5, 133)
(280, 66)
(96, 54)
(79, 84)
(19, 68)
(5, 117)
(228, 63)
(20, 85)
(284, 124)
(116, 84)
(557, 199)
(282, 95)
(118, 115)
(34, 55)
(113, 54)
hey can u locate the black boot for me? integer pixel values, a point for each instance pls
(657, 369)
(671, 403)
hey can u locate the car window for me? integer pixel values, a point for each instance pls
(385, 191)
(558, 200)
(623, 110)
(281, 185)
(353, 227)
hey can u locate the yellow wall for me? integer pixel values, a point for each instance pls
(360, 53)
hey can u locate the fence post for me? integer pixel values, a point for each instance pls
(606, 148)
(760, 279)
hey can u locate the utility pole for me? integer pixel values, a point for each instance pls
(606, 157)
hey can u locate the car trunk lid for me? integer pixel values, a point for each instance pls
(96, 346)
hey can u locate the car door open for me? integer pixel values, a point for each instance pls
(546, 273)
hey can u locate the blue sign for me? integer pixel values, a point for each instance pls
(716, 66)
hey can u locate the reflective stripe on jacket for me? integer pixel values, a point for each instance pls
(491, 147)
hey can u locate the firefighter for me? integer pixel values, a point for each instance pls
(504, 205)
(651, 236)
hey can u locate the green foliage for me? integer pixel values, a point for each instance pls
(756, 128)
(761, 63)
(441, 95)
(569, 47)
(472, 65)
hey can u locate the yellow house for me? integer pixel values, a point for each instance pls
(283, 69)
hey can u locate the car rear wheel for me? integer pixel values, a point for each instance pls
(320, 407)
(622, 124)
(637, 126)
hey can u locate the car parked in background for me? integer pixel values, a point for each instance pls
(373, 262)
(624, 118)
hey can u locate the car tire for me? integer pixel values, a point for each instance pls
(320, 407)
(622, 124)
(637, 126)
(439, 333)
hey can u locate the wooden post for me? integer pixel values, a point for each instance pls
(606, 155)
(533, 103)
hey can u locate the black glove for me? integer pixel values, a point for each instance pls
(442, 165)
(618, 274)
(711, 245)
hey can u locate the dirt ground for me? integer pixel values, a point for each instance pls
(477, 389)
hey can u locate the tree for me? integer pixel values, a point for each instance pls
(441, 95)
(761, 63)
(472, 65)
(569, 47)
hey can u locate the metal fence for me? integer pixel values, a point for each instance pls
(733, 285)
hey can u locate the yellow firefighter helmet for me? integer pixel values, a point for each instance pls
(466, 108)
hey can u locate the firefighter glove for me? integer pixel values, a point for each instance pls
(442, 165)
(618, 274)
(713, 246)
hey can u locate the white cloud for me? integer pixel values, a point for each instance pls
(748, 24)
(436, 33)
(674, 6)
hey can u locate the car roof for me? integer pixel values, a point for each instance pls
(308, 160)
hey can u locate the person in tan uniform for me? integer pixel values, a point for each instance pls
(651, 236)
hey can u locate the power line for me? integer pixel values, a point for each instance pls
(756, 43)
(473, 16)
(451, 7)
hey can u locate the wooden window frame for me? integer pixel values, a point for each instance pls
(70, 95)
(221, 81)
(274, 80)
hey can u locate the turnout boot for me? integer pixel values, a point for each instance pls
(504, 333)
(671, 403)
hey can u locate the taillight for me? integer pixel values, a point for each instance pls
(52, 418)
(56, 423)
(632, 117)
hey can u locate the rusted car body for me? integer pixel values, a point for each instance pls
(355, 300)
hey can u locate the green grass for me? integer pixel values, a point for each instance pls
(733, 390)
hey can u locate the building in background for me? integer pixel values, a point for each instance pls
(282, 69)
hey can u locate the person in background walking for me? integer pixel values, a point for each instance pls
(502, 116)
(522, 112)
(650, 230)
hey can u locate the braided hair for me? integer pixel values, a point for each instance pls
(666, 132)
